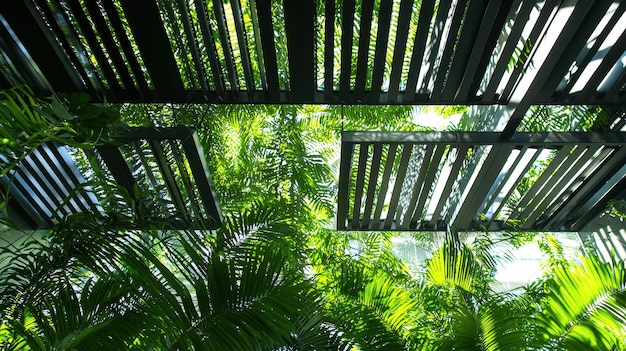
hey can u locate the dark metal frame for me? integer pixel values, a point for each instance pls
(49, 187)
(589, 169)
(137, 59)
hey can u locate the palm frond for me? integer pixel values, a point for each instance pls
(105, 315)
(584, 308)
(453, 266)
(492, 326)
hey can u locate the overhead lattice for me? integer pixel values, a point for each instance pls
(152, 174)
(473, 181)
(508, 55)
(352, 51)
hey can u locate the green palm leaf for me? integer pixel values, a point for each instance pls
(453, 266)
(494, 325)
(585, 307)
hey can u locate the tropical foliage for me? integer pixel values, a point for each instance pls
(273, 277)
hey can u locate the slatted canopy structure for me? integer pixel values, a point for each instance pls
(506, 56)
(323, 52)
(151, 174)
(460, 181)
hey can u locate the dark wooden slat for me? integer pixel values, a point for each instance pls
(448, 50)
(553, 177)
(569, 43)
(46, 194)
(94, 47)
(508, 50)
(21, 70)
(222, 28)
(555, 139)
(419, 45)
(168, 177)
(471, 166)
(574, 187)
(22, 191)
(452, 177)
(33, 34)
(360, 180)
(177, 33)
(498, 184)
(211, 50)
(106, 39)
(615, 187)
(186, 180)
(397, 62)
(613, 93)
(596, 179)
(418, 185)
(428, 181)
(54, 186)
(254, 16)
(581, 36)
(492, 166)
(472, 38)
(138, 149)
(69, 177)
(380, 54)
(371, 185)
(299, 27)
(329, 49)
(586, 56)
(367, 9)
(557, 191)
(382, 193)
(118, 167)
(434, 41)
(521, 175)
(266, 29)
(145, 22)
(345, 170)
(547, 12)
(591, 168)
(124, 42)
(611, 58)
(53, 21)
(407, 149)
(195, 156)
(541, 181)
(477, 65)
(243, 45)
(192, 44)
(346, 49)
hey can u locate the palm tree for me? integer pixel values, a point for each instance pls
(240, 287)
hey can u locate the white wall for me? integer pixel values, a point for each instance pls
(607, 234)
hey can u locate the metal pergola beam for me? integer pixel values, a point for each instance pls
(486, 138)
(431, 52)
(587, 166)
(48, 185)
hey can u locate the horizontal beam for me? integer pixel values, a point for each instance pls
(156, 133)
(486, 138)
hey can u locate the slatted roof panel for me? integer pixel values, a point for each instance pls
(462, 181)
(152, 173)
(350, 52)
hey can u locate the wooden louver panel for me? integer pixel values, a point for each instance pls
(327, 52)
(161, 172)
(471, 181)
